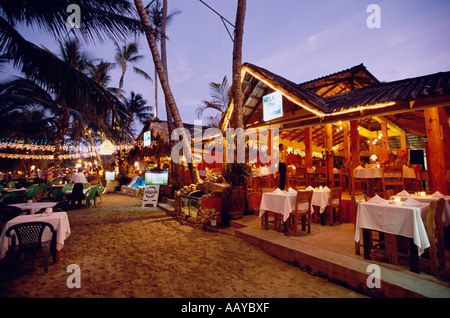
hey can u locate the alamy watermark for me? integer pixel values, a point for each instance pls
(74, 19)
(374, 19)
(74, 279)
(262, 145)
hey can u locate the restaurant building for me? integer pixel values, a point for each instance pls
(353, 116)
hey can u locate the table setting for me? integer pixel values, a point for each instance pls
(422, 197)
(59, 220)
(33, 207)
(394, 217)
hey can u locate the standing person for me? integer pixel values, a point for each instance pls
(77, 192)
(282, 167)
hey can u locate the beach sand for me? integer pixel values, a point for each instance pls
(124, 250)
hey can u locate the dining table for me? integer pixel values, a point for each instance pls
(427, 198)
(393, 219)
(283, 202)
(59, 220)
(374, 172)
(33, 207)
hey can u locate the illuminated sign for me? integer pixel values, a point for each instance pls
(272, 106)
(147, 139)
(107, 148)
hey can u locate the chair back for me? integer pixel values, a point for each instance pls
(9, 198)
(29, 234)
(58, 194)
(335, 197)
(389, 193)
(303, 197)
(393, 172)
(417, 171)
(11, 185)
(267, 189)
(435, 233)
(67, 187)
(62, 206)
(31, 193)
(302, 172)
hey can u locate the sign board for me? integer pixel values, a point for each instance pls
(272, 106)
(151, 193)
(147, 138)
(107, 148)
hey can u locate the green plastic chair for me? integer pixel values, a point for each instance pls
(85, 185)
(45, 191)
(100, 190)
(91, 195)
(67, 187)
(11, 185)
(9, 198)
(1, 188)
(31, 192)
(58, 194)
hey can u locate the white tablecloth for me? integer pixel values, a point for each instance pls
(393, 219)
(428, 199)
(59, 220)
(34, 207)
(370, 173)
(284, 203)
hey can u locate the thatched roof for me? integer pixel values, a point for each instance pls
(160, 139)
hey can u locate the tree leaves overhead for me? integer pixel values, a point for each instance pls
(100, 19)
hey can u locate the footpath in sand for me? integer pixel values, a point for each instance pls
(124, 250)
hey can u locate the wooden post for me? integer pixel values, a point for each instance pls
(308, 147)
(384, 153)
(347, 155)
(354, 144)
(328, 128)
(436, 150)
(444, 120)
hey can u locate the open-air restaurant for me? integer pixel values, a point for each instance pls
(336, 179)
(341, 150)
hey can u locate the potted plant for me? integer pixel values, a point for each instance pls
(236, 174)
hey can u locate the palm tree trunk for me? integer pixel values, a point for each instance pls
(170, 100)
(155, 115)
(237, 64)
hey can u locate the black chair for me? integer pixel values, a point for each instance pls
(62, 206)
(29, 237)
(8, 213)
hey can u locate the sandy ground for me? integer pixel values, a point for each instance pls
(125, 251)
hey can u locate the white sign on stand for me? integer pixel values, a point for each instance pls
(151, 193)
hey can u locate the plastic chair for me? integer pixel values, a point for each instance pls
(9, 198)
(8, 213)
(91, 195)
(29, 237)
(11, 185)
(31, 193)
(58, 194)
(85, 185)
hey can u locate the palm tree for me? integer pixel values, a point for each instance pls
(159, 19)
(237, 63)
(163, 78)
(127, 54)
(101, 20)
(136, 105)
(220, 93)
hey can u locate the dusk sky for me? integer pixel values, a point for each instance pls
(299, 40)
